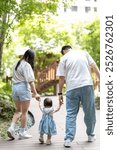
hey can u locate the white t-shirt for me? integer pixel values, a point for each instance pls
(75, 67)
(24, 72)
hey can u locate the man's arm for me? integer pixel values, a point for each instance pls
(96, 70)
(61, 84)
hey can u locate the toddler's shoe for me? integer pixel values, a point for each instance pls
(48, 142)
(41, 140)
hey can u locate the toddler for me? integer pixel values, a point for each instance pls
(47, 125)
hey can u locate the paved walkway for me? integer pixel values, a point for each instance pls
(79, 143)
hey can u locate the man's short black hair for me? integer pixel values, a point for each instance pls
(66, 47)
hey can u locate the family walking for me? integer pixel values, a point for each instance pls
(74, 71)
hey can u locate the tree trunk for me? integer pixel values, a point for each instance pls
(2, 37)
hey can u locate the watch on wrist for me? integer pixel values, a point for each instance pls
(60, 93)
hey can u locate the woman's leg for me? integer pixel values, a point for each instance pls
(16, 116)
(25, 106)
(17, 113)
(23, 134)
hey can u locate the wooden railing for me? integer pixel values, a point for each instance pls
(47, 77)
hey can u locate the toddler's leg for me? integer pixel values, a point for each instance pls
(48, 142)
(41, 140)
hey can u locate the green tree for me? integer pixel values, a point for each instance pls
(8, 11)
(87, 36)
(91, 40)
(44, 33)
(19, 11)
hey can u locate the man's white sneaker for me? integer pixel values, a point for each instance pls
(11, 133)
(67, 143)
(24, 135)
(91, 138)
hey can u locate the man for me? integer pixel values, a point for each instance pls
(74, 69)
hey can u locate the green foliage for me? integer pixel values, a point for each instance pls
(30, 20)
(44, 59)
(6, 102)
(7, 6)
(8, 60)
(88, 38)
(6, 107)
(8, 10)
(36, 26)
(97, 102)
(5, 88)
(91, 40)
(14, 14)
(4, 124)
(44, 33)
(78, 30)
(22, 11)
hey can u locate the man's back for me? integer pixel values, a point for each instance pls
(76, 67)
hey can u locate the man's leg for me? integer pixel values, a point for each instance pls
(88, 102)
(72, 108)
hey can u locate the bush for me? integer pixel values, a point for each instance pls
(97, 101)
(7, 107)
(6, 103)
(3, 128)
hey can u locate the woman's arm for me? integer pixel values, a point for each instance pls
(33, 89)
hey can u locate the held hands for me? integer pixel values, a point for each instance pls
(37, 97)
(60, 99)
(98, 84)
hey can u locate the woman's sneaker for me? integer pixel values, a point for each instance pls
(11, 133)
(24, 135)
(67, 143)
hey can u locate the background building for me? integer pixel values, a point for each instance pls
(81, 10)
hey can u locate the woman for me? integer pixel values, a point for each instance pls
(22, 86)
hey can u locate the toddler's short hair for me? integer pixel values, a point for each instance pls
(47, 102)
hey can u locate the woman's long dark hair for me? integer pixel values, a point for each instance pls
(29, 57)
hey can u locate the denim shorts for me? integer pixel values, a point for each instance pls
(21, 91)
